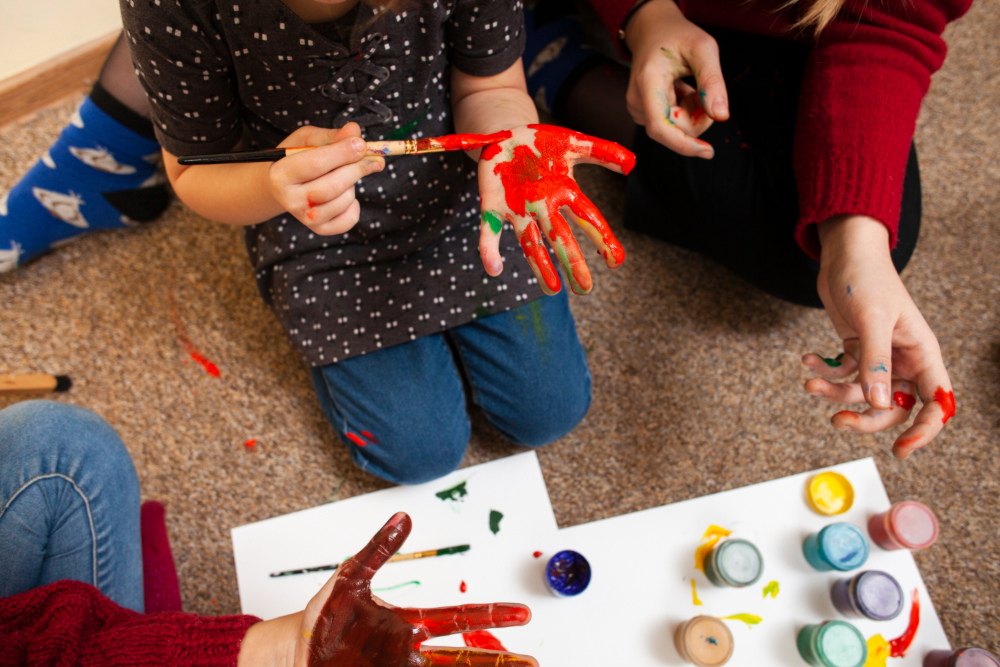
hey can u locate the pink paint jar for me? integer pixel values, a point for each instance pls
(907, 525)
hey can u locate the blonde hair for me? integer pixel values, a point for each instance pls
(817, 15)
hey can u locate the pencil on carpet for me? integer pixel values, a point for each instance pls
(395, 559)
(34, 383)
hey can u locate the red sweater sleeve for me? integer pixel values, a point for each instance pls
(861, 92)
(71, 623)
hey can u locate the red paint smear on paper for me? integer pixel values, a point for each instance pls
(250, 444)
(463, 587)
(904, 400)
(185, 340)
(946, 399)
(901, 644)
(462, 142)
(537, 554)
(356, 440)
(482, 639)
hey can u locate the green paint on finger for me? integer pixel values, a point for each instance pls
(404, 132)
(833, 362)
(495, 518)
(453, 493)
(494, 221)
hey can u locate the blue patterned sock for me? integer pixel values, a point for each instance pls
(553, 52)
(99, 175)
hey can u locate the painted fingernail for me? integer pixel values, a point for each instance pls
(879, 394)
(720, 108)
(358, 144)
(707, 154)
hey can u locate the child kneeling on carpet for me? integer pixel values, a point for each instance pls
(371, 266)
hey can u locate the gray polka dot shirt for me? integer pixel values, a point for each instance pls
(219, 70)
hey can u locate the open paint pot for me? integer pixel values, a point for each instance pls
(833, 644)
(874, 595)
(839, 546)
(735, 563)
(963, 657)
(704, 641)
(567, 574)
(830, 493)
(907, 525)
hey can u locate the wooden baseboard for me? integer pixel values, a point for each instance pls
(54, 79)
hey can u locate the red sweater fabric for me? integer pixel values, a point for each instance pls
(71, 623)
(864, 81)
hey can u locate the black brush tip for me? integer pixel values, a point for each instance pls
(63, 383)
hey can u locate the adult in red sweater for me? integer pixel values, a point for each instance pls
(778, 141)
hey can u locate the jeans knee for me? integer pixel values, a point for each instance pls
(415, 457)
(541, 422)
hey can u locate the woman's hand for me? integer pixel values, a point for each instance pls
(317, 186)
(344, 624)
(666, 47)
(886, 340)
(528, 178)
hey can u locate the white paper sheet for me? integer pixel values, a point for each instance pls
(642, 568)
(330, 533)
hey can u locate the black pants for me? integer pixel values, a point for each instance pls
(741, 207)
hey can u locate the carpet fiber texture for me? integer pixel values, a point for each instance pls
(697, 379)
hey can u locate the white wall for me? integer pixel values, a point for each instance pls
(33, 31)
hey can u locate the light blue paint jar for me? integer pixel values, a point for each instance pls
(839, 546)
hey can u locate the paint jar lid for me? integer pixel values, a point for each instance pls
(568, 573)
(879, 595)
(843, 546)
(738, 562)
(913, 524)
(830, 493)
(973, 657)
(705, 641)
(839, 644)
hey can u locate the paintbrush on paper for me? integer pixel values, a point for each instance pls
(450, 142)
(35, 383)
(447, 551)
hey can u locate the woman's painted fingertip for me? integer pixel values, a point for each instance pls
(358, 144)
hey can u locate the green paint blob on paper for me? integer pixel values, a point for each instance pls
(454, 493)
(771, 589)
(493, 220)
(392, 588)
(749, 619)
(403, 132)
(495, 521)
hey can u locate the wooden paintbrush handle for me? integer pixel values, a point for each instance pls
(37, 383)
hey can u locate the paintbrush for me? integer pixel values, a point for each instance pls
(35, 383)
(450, 142)
(447, 551)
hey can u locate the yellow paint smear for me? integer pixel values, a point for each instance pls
(771, 589)
(830, 493)
(708, 542)
(878, 651)
(749, 619)
(694, 594)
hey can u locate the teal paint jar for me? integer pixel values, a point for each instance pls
(736, 563)
(833, 644)
(839, 546)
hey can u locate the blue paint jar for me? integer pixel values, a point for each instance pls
(832, 644)
(872, 594)
(839, 546)
(567, 574)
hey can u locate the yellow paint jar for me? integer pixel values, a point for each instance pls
(830, 493)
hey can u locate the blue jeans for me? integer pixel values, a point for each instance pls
(401, 411)
(69, 503)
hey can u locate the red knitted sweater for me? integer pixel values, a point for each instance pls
(71, 623)
(864, 81)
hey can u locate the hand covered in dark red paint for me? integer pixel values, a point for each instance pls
(527, 180)
(345, 625)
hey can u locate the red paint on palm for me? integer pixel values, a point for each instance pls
(482, 639)
(901, 644)
(462, 142)
(946, 399)
(904, 400)
(538, 181)
(355, 628)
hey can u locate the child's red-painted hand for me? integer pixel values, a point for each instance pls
(317, 186)
(887, 342)
(344, 624)
(527, 179)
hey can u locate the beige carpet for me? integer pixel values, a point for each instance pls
(697, 380)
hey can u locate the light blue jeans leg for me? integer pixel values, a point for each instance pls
(69, 503)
